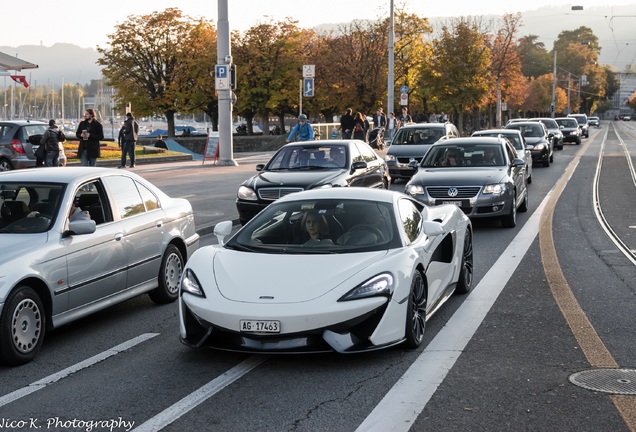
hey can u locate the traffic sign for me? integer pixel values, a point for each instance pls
(222, 77)
(308, 87)
(309, 71)
(404, 89)
(404, 99)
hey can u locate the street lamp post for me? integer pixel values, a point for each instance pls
(391, 81)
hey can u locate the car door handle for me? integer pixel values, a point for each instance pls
(119, 236)
(159, 224)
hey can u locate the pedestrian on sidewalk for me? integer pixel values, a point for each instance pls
(131, 133)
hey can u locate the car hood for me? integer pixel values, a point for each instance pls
(407, 150)
(535, 140)
(277, 278)
(305, 179)
(460, 176)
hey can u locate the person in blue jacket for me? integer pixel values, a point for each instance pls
(303, 129)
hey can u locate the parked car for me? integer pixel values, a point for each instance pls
(554, 131)
(127, 238)
(18, 141)
(581, 119)
(306, 165)
(178, 131)
(383, 264)
(518, 142)
(626, 117)
(594, 121)
(536, 134)
(486, 179)
(411, 142)
(570, 128)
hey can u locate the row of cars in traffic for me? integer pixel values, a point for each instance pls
(331, 267)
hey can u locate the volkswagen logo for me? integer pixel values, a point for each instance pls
(452, 192)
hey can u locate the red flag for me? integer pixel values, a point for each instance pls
(20, 79)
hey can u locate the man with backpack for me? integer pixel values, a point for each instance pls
(51, 141)
(131, 133)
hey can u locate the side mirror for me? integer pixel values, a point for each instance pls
(259, 167)
(432, 229)
(516, 162)
(358, 165)
(222, 230)
(80, 227)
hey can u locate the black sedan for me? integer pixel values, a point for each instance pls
(570, 128)
(536, 134)
(310, 165)
(481, 175)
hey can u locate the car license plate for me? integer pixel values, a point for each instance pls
(457, 203)
(253, 326)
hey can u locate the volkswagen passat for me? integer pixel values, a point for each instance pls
(481, 175)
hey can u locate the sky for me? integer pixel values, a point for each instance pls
(88, 24)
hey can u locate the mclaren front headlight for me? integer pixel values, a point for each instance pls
(190, 284)
(380, 285)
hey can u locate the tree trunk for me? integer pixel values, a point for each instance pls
(170, 118)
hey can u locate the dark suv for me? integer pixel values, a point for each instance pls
(16, 151)
(410, 143)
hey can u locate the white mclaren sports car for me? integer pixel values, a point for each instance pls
(340, 269)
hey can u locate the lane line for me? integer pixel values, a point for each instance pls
(194, 399)
(40, 384)
(400, 407)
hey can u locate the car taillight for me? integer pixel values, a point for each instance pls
(17, 146)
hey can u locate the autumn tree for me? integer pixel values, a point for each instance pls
(362, 71)
(270, 58)
(459, 70)
(534, 57)
(144, 62)
(505, 65)
(411, 51)
(195, 84)
(577, 54)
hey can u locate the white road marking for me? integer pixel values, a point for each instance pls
(39, 385)
(399, 408)
(194, 399)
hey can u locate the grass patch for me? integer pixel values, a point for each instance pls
(112, 151)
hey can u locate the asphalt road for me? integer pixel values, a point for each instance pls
(499, 359)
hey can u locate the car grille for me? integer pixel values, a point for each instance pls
(272, 194)
(405, 160)
(462, 191)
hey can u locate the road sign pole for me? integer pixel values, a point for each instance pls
(300, 105)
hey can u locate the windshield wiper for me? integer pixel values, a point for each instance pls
(238, 247)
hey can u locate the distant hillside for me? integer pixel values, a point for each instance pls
(613, 25)
(60, 62)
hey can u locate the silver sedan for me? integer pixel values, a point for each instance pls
(77, 240)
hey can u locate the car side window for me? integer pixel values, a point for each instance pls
(512, 153)
(150, 200)
(411, 219)
(367, 154)
(356, 156)
(128, 201)
(90, 198)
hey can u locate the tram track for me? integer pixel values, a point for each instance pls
(629, 253)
